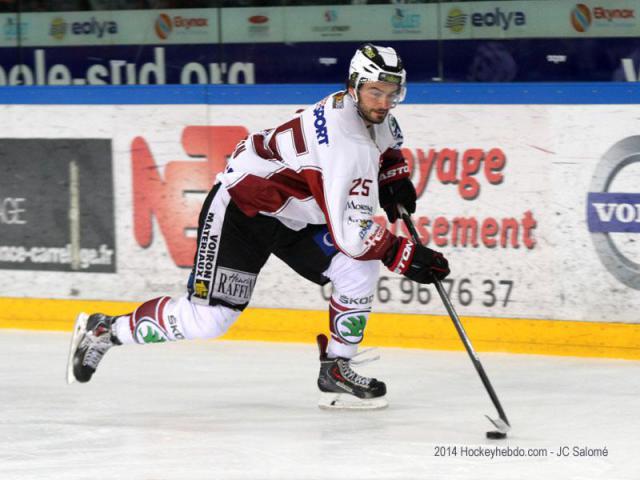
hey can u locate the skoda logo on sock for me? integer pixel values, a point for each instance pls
(350, 325)
(610, 212)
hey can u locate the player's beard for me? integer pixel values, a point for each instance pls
(373, 115)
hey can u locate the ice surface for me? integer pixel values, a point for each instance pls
(221, 410)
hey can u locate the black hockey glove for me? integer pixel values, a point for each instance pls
(395, 188)
(416, 262)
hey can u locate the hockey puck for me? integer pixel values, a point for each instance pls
(496, 435)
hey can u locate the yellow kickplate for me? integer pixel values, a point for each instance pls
(547, 337)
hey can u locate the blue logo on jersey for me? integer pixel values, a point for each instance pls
(321, 125)
(324, 240)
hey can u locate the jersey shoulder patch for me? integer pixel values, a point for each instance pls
(338, 100)
(396, 132)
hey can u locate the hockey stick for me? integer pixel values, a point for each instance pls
(501, 423)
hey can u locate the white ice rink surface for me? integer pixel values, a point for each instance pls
(242, 410)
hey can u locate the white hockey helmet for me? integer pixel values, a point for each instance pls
(372, 63)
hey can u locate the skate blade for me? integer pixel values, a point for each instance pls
(79, 328)
(343, 401)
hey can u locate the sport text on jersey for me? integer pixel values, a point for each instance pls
(320, 123)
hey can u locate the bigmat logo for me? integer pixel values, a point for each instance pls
(615, 212)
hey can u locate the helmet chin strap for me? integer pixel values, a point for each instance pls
(353, 95)
(355, 98)
(362, 115)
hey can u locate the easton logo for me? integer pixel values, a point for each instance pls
(615, 212)
(394, 172)
(320, 123)
(405, 258)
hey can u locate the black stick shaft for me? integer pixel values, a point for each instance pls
(460, 329)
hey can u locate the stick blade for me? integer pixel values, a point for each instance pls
(500, 424)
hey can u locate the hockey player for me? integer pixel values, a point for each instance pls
(306, 191)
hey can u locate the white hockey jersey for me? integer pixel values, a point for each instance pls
(320, 167)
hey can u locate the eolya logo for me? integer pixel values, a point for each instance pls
(581, 18)
(456, 20)
(163, 26)
(610, 212)
(92, 27)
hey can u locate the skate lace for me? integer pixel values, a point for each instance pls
(353, 376)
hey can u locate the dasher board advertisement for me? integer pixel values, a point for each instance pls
(536, 206)
(57, 210)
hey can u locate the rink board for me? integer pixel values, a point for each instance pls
(436, 332)
(531, 191)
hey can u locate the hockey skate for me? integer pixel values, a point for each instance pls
(343, 388)
(90, 341)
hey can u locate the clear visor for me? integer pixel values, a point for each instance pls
(393, 97)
